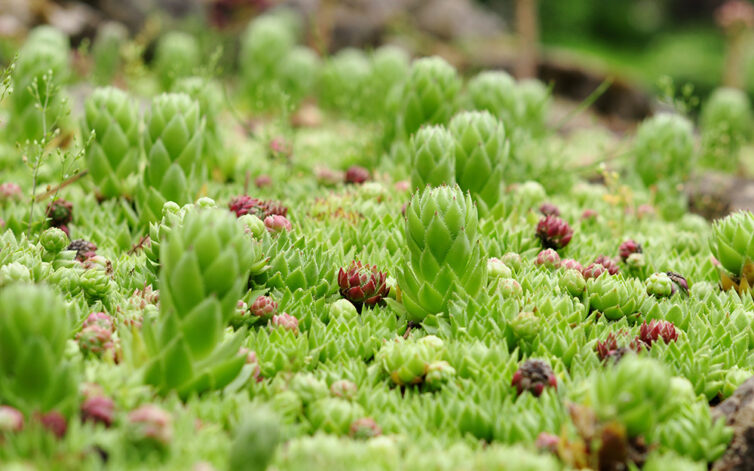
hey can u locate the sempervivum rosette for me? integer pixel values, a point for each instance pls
(481, 152)
(173, 139)
(428, 96)
(443, 256)
(113, 154)
(34, 328)
(733, 246)
(42, 67)
(362, 284)
(205, 265)
(432, 157)
(407, 362)
(614, 297)
(553, 232)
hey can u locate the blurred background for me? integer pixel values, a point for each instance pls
(648, 48)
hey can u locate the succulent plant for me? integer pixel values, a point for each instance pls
(659, 285)
(277, 223)
(106, 51)
(42, 67)
(553, 232)
(534, 376)
(334, 415)
(628, 248)
(428, 96)
(548, 258)
(176, 55)
(573, 282)
(172, 142)
(443, 256)
(113, 154)
(150, 424)
(11, 419)
(613, 297)
(407, 362)
(481, 152)
(356, 175)
(362, 284)
(284, 321)
(664, 146)
(53, 240)
(60, 213)
(657, 329)
(726, 121)
(98, 409)
(205, 263)
(609, 263)
(497, 269)
(364, 429)
(732, 246)
(432, 157)
(34, 328)
(255, 440)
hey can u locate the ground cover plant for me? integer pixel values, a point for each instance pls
(365, 261)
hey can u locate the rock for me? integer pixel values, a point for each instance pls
(738, 411)
(714, 195)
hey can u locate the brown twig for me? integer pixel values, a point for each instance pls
(62, 185)
(139, 245)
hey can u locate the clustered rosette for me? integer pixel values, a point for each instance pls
(363, 284)
(244, 204)
(553, 232)
(534, 376)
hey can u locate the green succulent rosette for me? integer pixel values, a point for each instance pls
(43, 60)
(177, 55)
(614, 297)
(406, 362)
(429, 95)
(732, 244)
(205, 265)
(34, 329)
(635, 392)
(664, 148)
(264, 43)
(481, 153)
(173, 140)
(333, 415)
(113, 154)
(343, 80)
(106, 51)
(432, 157)
(443, 255)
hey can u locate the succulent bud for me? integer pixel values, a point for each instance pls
(329, 177)
(659, 285)
(627, 248)
(509, 288)
(263, 181)
(362, 284)
(9, 191)
(53, 240)
(512, 260)
(553, 232)
(356, 175)
(253, 225)
(95, 340)
(277, 223)
(547, 442)
(571, 264)
(11, 420)
(549, 209)
(59, 212)
(96, 284)
(365, 428)
(610, 264)
(525, 325)
(635, 261)
(286, 321)
(55, 422)
(344, 389)
(98, 409)
(612, 350)
(548, 258)
(14, 272)
(439, 373)
(589, 215)
(497, 269)
(573, 282)
(594, 270)
(656, 329)
(263, 306)
(150, 423)
(343, 309)
(99, 319)
(534, 376)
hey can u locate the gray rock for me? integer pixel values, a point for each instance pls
(738, 411)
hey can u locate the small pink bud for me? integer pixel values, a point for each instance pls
(285, 321)
(277, 223)
(11, 420)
